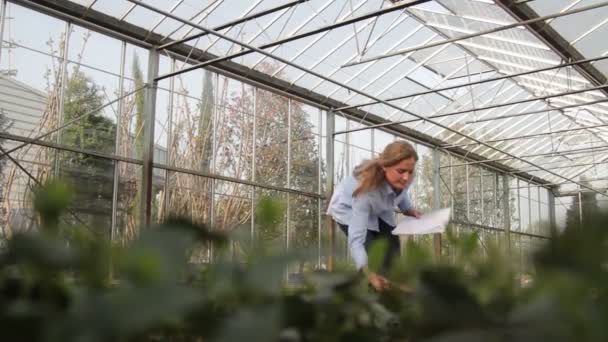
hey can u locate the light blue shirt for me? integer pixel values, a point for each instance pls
(362, 212)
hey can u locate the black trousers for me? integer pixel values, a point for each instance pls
(385, 232)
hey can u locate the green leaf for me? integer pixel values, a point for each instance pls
(377, 254)
(50, 200)
(252, 324)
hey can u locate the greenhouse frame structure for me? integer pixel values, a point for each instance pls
(505, 101)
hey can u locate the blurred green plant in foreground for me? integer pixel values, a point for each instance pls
(63, 283)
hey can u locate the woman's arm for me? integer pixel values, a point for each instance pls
(357, 232)
(357, 229)
(405, 205)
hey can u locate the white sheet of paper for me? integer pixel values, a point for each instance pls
(430, 223)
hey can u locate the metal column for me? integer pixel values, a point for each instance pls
(62, 84)
(319, 187)
(288, 233)
(253, 159)
(2, 23)
(506, 213)
(552, 220)
(437, 200)
(329, 136)
(148, 141)
(119, 122)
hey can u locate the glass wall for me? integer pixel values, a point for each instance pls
(219, 144)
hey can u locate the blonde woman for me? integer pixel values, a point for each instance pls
(364, 203)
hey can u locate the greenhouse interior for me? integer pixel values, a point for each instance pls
(245, 116)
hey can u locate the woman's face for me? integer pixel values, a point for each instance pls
(400, 175)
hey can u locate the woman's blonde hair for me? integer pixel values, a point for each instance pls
(371, 173)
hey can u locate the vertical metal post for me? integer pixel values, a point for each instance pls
(468, 205)
(167, 199)
(451, 183)
(539, 204)
(214, 127)
(552, 220)
(288, 226)
(329, 133)
(481, 195)
(506, 208)
(580, 206)
(253, 156)
(529, 207)
(2, 23)
(117, 143)
(496, 212)
(63, 80)
(373, 142)
(148, 141)
(437, 200)
(320, 186)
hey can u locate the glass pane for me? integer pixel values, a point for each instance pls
(17, 187)
(190, 196)
(95, 50)
(362, 139)
(271, 138)
(514, 204)
(271, 234)
(475, 194)
(87, 90)
(232, 206)
(129, 194)
(234, 128)
(459, 191)
(91, 180)
(304, 232)
(524, 206)
(304, 149)
(357, 156)
(131, 116)
(424, 180)
(193, 121)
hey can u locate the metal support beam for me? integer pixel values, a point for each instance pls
(509, 76)
(233, 23)
(541, 111)
(567, 152)
(275, 43)
(481, 33)
(545, 32)
(148, 138)
(419, 117)
(565, 166)
(543, 134)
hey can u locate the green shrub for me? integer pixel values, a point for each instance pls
(72, 286)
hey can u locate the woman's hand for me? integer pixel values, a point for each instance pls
(377, 281)
(413, 212)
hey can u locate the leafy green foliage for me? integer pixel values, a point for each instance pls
(73, 286)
